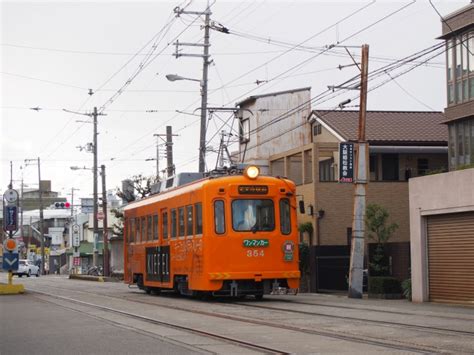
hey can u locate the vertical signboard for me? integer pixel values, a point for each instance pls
(346, 162)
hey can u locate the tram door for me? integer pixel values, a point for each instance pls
(158, 263)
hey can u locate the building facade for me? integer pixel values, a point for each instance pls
(442, 205)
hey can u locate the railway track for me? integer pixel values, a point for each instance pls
(362, 339)
(226, 339)
(364, 320)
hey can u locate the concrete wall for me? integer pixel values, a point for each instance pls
(430, 195)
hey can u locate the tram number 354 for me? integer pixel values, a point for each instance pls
(255, 253)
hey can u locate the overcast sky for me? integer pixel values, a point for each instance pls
(52, 53)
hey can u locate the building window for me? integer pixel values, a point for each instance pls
(308, 166)
(277, 167)
(373, 167)
(422, 166)
(244, 130)
(390, 167)
(326, 170)
(317, 129)
(295, 169)
(460, 68)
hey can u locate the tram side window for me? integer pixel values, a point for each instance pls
(198, 219)
(189, 220)
(143, 227)
(137, 230)
(173, 223)
(285, 221)
(155, 227)
(131, 230)
(149, 229)
(219, 217)
(165, 225)
(181, 221)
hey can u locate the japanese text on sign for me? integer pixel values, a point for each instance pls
(346, 162)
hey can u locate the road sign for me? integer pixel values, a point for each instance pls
(10, 245)
(10, 195)
(10, 218)
(10, 261)
(76, 240)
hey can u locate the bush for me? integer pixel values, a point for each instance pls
(406, 287)
(384, 285)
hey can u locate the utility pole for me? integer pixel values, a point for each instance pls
(169, 150)
(105, 225)
(41, 218)
(360, 186)
(94, 171)
(157, 159)
(94, 115)
(205, 66)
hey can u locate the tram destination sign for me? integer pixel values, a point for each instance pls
(253, 189)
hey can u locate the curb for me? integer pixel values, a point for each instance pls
(93, 278)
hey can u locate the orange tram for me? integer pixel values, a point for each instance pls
(231, 235)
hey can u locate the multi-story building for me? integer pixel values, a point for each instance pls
(402, 145)
(442, 205)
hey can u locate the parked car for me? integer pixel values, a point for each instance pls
(26, 267)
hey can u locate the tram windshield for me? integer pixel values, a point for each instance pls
(253, 215)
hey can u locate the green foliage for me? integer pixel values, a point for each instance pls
(406, 287)
(304, 258)
(376, 220)
(380, 232)
(384, 285)
(306, 227)
(465, 166)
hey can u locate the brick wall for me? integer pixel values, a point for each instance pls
(337, 202)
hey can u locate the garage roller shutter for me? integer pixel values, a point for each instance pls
(451, 257)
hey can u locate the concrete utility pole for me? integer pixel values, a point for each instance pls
(96, 207)
(360, 186)
(41, 217)
(169, 150)
(105, 225)
(205, 66)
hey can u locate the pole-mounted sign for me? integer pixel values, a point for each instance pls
(76, 241)
(346, 162)
(10, 210)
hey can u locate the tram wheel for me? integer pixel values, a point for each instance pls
(259, 297)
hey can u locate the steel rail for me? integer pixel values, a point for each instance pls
(241, 343)
(328, 334)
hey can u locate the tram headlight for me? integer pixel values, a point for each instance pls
(252, 172)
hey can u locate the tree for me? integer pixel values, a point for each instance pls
(141, 189)
(376, 221)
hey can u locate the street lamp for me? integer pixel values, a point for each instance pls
(174, 77)
(202, 135)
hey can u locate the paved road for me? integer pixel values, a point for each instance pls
(47, 323)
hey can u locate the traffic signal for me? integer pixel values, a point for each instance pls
(61, 205)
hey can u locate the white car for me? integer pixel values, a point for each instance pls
(26, 267)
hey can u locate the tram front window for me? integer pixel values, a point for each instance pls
(253, 215)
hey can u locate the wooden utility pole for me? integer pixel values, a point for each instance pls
(358, 220)
(105, 232)
(169, 152)
(40, 192)
(95, 255)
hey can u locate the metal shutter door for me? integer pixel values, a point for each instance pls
(451, 257)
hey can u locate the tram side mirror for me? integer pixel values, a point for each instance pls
(301, 205)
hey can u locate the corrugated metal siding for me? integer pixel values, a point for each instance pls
(451, 257)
